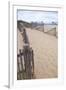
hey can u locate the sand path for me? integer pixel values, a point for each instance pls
(45, 53)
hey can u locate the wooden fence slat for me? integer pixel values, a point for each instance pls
(29, 65)
(19, 75)
(32, 60)
(21, 64)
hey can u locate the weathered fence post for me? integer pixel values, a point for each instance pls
(18, 68)
(22, 69)
(27, 61)
(32, 55)
(20, 65)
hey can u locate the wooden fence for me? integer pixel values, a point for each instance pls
(25, 58)
(25, 64)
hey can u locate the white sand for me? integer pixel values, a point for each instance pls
(45, 52)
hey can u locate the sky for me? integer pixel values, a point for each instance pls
(37, 16)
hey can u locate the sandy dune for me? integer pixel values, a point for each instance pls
(45, 53)
(19, 41)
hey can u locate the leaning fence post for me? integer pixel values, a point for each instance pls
(33, 60)
(19, 74)
(27, 61)
(22, 70)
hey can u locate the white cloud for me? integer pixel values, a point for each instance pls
(37, 16)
